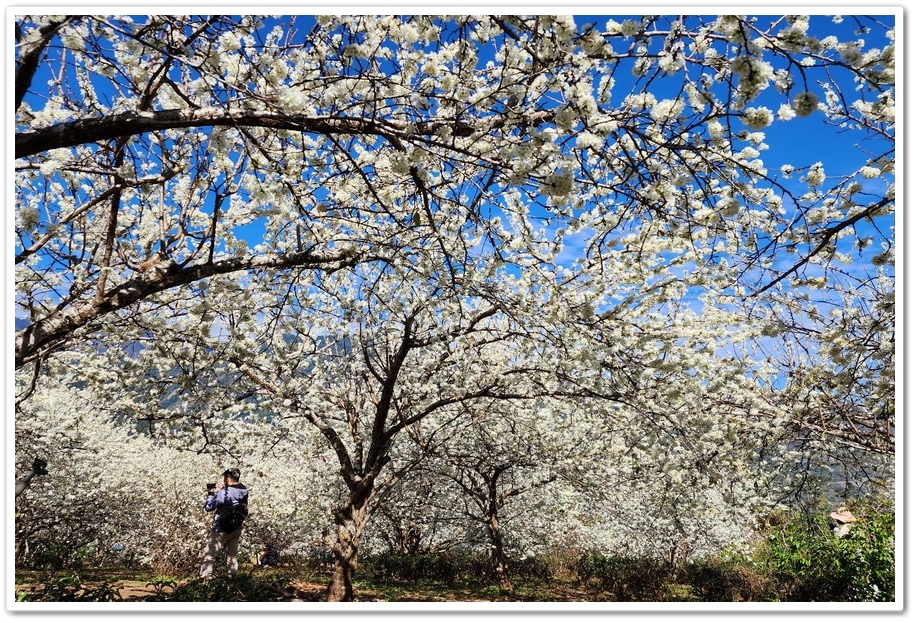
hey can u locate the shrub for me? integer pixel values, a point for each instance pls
(812, 564)
(724, 579)
(240, 587)
(68, 588)
(533, 568)
(433, 566)
(450, 567)
(629, 579)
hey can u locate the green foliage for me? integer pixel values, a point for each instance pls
(634, 579)
(800, 559)
(492, 591)
(240, 587)
(159, 584)
(52, 556)
(431, 566)
(724, 579)
(449, 568)
(70, 587)
(533, 568)
(810, 563)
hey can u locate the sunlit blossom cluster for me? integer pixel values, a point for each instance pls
(757, 118)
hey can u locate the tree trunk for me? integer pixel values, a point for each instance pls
(499, 564)
(349, 522)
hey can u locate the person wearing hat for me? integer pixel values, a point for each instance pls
(229, 505)
(842, 519)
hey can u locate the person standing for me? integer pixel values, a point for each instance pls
(229, 504)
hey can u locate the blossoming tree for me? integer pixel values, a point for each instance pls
(351, 225)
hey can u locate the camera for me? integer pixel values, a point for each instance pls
(39, 466)
(211, 486)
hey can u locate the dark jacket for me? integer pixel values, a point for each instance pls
(224, 502)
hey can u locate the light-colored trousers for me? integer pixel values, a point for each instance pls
(218, 541)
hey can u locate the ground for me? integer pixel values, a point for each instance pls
(282, 589)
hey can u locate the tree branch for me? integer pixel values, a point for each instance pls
(30, 54)
(827, 236)
(52, 330)
(83, 131)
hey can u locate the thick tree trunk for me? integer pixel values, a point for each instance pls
(498, 561)
(349, 522)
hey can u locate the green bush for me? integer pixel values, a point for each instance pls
(240, 587)
(434, 566)
(810, 563)
(159, 584)
(533, 568)
(67, 588)
(628, 579)
(449, 568)
(726, 579)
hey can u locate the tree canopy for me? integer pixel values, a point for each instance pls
(667, 241)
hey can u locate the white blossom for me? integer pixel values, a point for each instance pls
(804, 103)
(629, 28)
(292, 99)
(757, 118)
(667, 110)
(230, 42)
(816, 175)
(785, 113)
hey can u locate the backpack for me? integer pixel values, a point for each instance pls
(235, 519)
